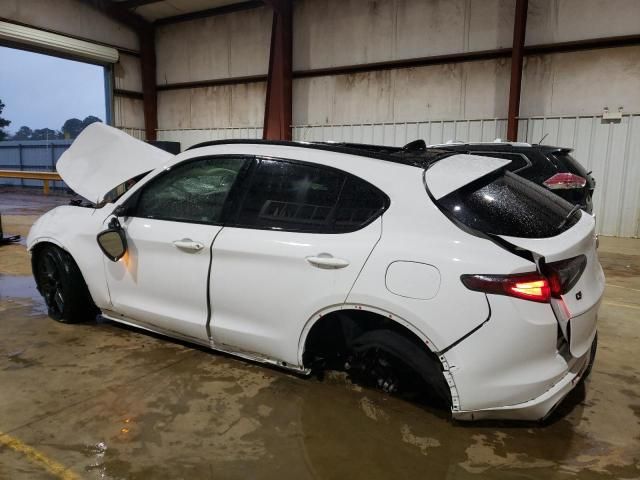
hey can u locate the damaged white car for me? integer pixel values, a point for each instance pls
(397, 264)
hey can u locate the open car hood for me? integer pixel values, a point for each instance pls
(103, 157)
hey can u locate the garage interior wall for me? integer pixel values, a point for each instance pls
(76, 19)
(224, 47)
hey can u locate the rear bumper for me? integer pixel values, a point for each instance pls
(540, 407)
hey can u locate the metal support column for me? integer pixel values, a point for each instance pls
(517, 54)
(149, 89)
(278, 107)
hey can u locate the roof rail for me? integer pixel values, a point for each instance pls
(414, 153)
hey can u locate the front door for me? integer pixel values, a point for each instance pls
(295, 246)
(171, 223)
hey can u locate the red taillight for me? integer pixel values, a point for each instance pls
(528, 286)
(563, 275)
(563, 181)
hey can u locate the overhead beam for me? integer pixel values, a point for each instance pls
(136, 3)
(278, 105)
(211, 12)
(517, 58)
(217, 82)
(119, 14)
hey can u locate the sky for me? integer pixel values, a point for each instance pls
(43, 91)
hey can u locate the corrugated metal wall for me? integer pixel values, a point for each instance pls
(189, 137)
(138, 133)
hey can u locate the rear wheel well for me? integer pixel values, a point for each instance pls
(334, 339)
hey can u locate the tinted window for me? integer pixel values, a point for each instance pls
(507, 204)
(518, 160)
(298, 197)
(194, 191)
(360, 202)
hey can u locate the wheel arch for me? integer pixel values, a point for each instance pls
(99, 293)
(38, 245)
(329, 322)
(346, 309)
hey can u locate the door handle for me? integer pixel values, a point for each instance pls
(188, 244)
(325, 260)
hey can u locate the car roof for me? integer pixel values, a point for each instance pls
(414, 154)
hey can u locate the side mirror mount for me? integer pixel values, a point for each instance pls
(121, 211)
(113, 241)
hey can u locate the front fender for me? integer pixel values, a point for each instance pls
(74, 229)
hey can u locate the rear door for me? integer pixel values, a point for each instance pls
(294, 247)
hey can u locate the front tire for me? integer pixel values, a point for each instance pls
(61, 284)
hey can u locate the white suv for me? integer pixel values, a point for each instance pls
(398, 264)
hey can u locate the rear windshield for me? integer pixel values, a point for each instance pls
(503, 203)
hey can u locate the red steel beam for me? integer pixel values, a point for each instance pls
(517, 55)
(278, 106)
(149, 88)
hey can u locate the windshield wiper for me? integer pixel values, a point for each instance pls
(575, 208)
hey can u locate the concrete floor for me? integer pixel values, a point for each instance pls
(102, 401)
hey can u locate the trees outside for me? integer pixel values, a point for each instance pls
(89, 120)
(3, 123)
(44, 134)
(24, 133)
(70, 129)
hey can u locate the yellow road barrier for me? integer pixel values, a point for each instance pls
(46, 177)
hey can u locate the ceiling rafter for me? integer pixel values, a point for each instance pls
(211, 12)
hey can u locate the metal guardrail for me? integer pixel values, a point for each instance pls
(46, 177)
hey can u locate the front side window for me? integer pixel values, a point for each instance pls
(194, 191)
(292, 196)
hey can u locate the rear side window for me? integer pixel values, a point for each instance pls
(506, 204)
(518, 160)
(299, 197)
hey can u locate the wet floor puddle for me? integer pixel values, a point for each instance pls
(21, 287)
